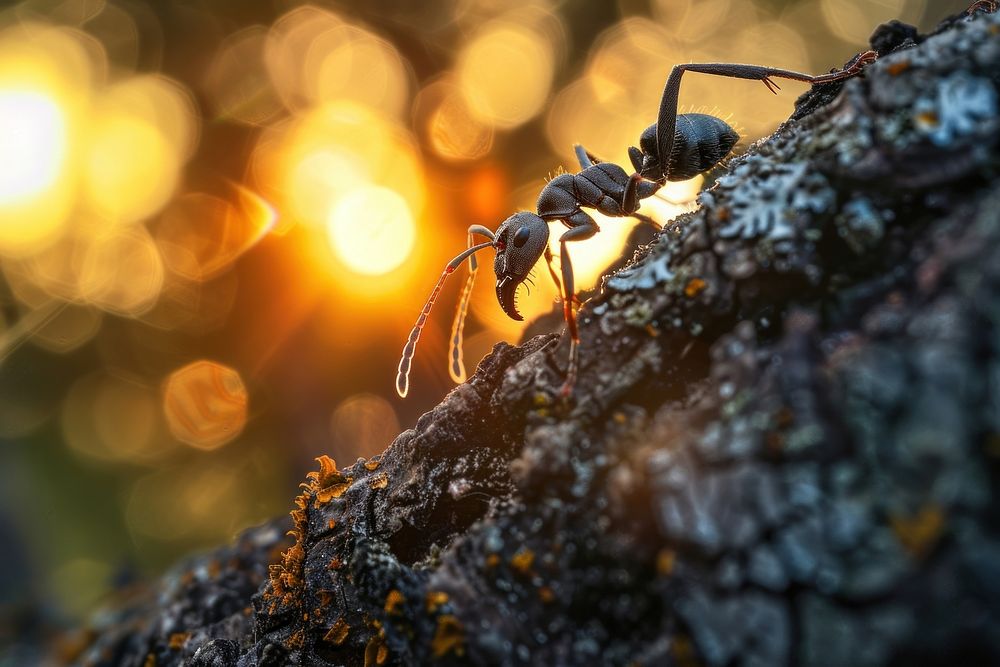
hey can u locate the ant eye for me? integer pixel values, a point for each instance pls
(521, 237)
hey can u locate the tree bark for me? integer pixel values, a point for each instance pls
(782, 448)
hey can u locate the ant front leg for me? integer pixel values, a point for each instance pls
(583, 227)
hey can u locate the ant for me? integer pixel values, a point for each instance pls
(675, 148)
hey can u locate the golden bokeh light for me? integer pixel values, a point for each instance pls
(45, 78)
(306, 166)
(371, 230)
(313, 56)
(237, 82)
(184, 502)
(350, 63)
(111, 418)
(364, 423)
(852, 20)
(288, 43)
(201, 235)
(68, 329)
(32, 143)
(505, 73)
(690, 20)
(205, 404)
(130, 169)
(122, 272)
(80, 583)
(140, 135)
(452, 130)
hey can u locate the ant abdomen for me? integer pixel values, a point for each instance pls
(700, 142)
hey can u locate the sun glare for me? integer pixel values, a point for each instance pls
(32, 142)
(372, 230)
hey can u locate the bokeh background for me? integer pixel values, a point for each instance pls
(219, 219)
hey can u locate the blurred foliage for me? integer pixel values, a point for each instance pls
(219, 219)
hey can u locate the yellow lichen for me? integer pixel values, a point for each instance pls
(694, 287)
(434, 600)
(665, 561)
(394, 601)
(177, 640)
(372, 465)
(682, 652)
(523, 560)
(337, 633)
(379, 481)
(376, 651)
(898, 67)
(448, 637)
(919, 532)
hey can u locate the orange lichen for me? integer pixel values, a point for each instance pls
(379, 481)
(546, 595)
(683, 652)
(297, 640)
(928, 119)
(694, 287)
(394, 601)
(325, 598)
(376, 652)
(920, 532)
(150, 661)
(449, 637)
(337, 633)
(434, 600)
(372, 465)
(331, 524)
(652, 331)
(177, 640)
(327, 483)
(523, 560)
(335, 564)
(287, 576)
(492, 561)
(665, 561)
(897, 68)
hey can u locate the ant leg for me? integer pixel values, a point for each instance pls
(585, 157)
(988, 6)
(552, 270)
(584, 229)
(666, 124)
(456, 369)
(630, 200)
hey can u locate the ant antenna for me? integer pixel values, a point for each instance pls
(403, 374)
(457, 368)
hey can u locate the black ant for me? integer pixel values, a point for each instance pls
(676, 148)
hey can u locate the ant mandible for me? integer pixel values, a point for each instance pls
(675, 148)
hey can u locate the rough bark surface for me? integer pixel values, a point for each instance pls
(783, 447)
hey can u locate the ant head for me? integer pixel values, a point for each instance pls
(519, 242)
(645, 159)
